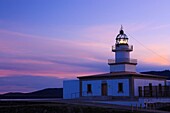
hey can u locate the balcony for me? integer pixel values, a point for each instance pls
(122, 48)
(125, 60)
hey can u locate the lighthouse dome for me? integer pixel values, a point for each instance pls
(121, 38)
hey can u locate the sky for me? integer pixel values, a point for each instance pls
(43, 42)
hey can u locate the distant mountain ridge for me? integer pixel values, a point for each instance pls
(161, 73)
(45, 93)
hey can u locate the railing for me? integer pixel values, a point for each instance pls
(125, 47)
(111, 61)
(155, 91)
(122, 60)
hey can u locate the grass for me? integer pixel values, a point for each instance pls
(47, 107)
(52, 107)
(167, 108)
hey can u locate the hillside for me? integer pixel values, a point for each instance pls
(161, 73)
(45, 93)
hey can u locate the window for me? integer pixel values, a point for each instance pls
(89, 88)
(123, 41)
(120, 87)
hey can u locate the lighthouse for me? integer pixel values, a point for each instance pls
(122, 61)
(122, 82)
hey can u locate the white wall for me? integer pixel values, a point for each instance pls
(130, 68)
(71, 89)
(168, 82)
(96, 87)
(121, 55)
(117, 68)
(112, 87)
(123, 67)
(145, 82)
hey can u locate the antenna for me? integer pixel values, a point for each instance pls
(121, 28)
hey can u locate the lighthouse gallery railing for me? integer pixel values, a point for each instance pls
(123, 60)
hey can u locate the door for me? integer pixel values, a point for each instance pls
(104, 89)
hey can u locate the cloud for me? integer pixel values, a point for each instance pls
(85, 51)
(28, 83)
(44, 55)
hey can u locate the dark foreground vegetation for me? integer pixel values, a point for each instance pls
(52, 107)
(167, 108)
(47, 107)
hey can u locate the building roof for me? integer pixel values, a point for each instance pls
(122, 75)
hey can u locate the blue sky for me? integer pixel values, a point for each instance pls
(68, 38)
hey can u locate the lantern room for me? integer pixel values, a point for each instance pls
(121, 37)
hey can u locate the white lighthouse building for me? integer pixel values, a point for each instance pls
(122, 82)
(122, 62)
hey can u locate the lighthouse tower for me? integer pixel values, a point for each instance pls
(122, 49)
